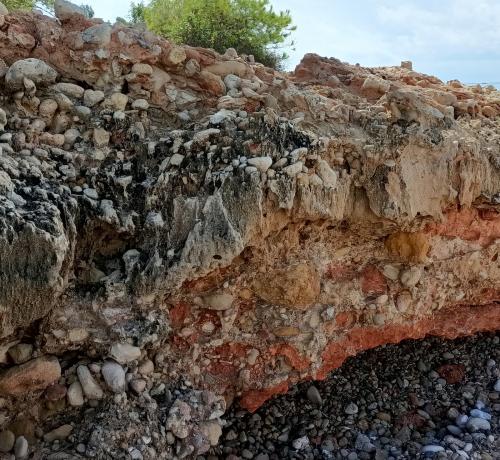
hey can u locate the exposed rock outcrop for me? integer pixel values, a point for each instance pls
(201, 217)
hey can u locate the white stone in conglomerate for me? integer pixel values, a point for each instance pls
(261, 163)
(114, 376)
(75, 394)
(91, 388)
(125, 353)
(21, 448)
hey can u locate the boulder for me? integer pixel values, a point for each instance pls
(33, 69)
(65, 10)
(100, 35)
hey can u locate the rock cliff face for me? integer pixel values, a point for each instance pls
(195, 217)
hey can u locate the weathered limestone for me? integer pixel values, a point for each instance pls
(167, 213)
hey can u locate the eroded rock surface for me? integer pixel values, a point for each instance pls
(198, 217)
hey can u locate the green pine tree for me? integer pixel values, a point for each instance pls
(249, 26)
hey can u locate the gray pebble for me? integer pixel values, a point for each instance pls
(351, 409)
(314, 395)
(21, 447)
(7, 439)
(475, 424)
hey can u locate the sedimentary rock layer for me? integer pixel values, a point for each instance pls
(235, 226)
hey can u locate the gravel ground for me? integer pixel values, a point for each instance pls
(419, 399)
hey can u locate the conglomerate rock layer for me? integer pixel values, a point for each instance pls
(238, 227)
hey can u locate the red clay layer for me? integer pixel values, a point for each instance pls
(449, 324)
(479, 225)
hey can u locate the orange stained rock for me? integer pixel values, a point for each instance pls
(337, 271)
(450, 323)
(344, 319)
(407, 246)
(286, 331)
(373, 281)
(178, 313)
(36, 374)
(452, 373)
(224, 359)
(253, 399)
(482, 226)
(223, 369)
(294, 358)
(454, 322)
(296, 286)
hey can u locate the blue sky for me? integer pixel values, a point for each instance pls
(447, 38)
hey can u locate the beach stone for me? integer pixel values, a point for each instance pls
(119, 101)
(147, 367)
(3, 119)
(212, 430)
(314, 395)
(475, 424)
(55, 392)
(33, 69)
(219, 302)
(351, 409)
(99, 34)
(480, 414)
(91, 98)
(138, 385)
(65, 10)
(101, 137)
(261, 163)
(140, 104)
(432, 449)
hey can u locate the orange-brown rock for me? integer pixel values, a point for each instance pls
(34, 375)
(481, 226)
(296, 286)
(408, 246)
(452, 373)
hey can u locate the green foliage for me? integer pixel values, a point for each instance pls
(137, 13)
(249, 26)
(47, 6)
(28, 4)
(89, 11)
